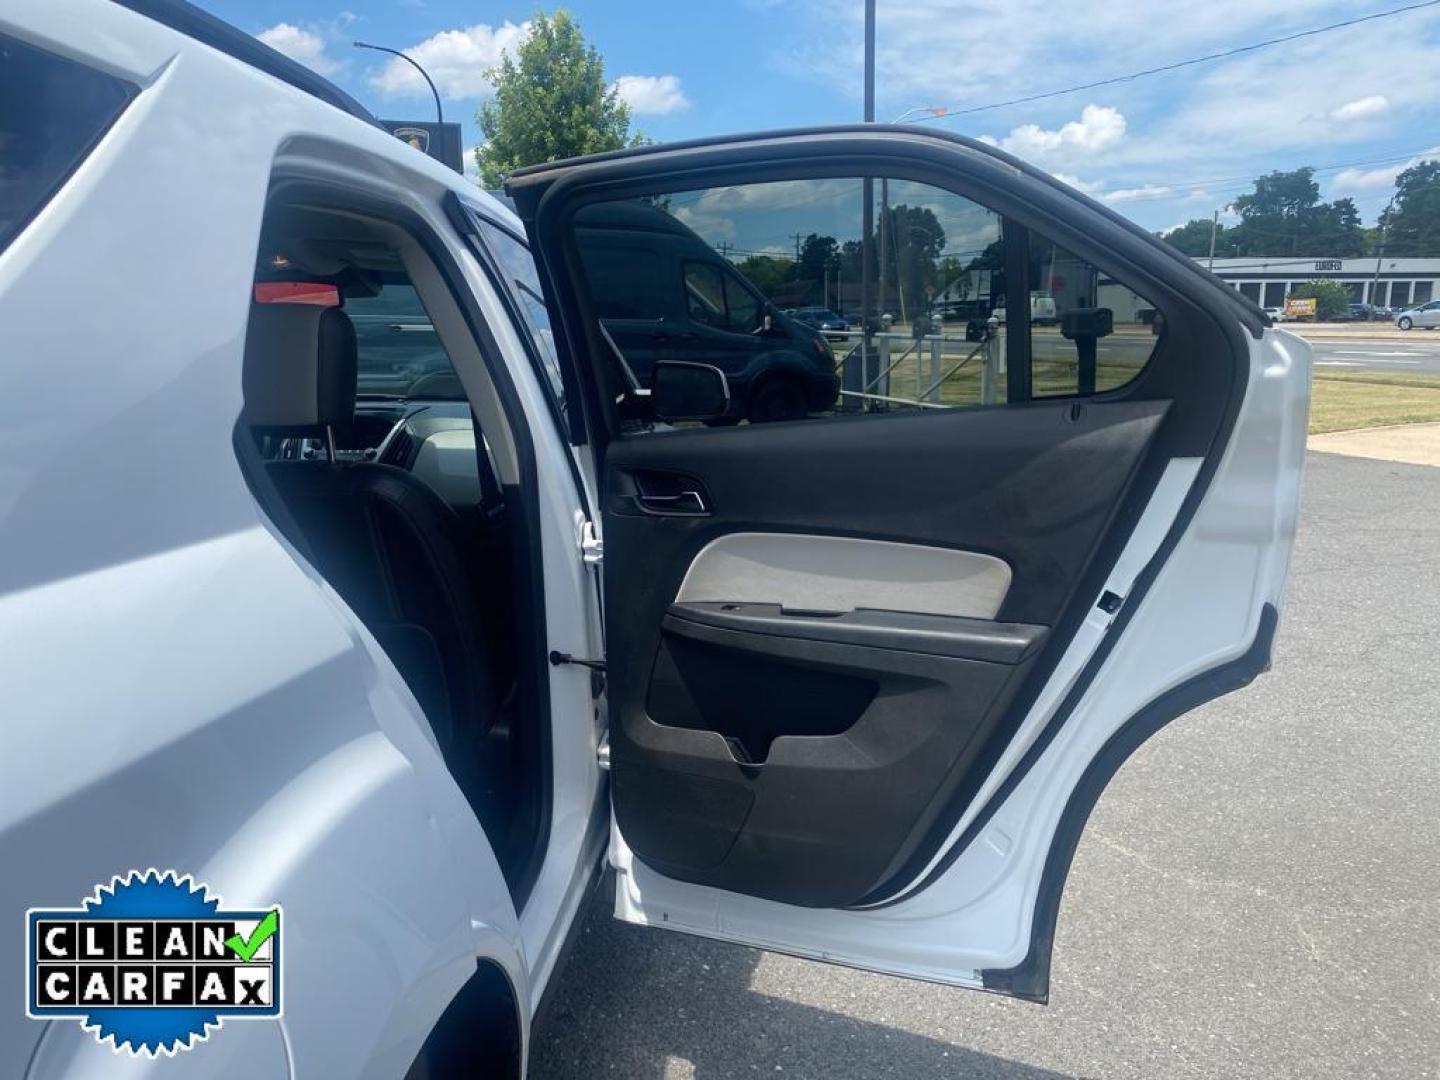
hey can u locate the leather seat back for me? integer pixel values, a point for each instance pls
(396, 552)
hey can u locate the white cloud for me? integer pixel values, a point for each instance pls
(1100, 127)
(1145, 191)
(1237, 117)
(1371, 179)
(652, 95)
(1361, 108)
(456, 59)
(1067, 178)
(303, 46)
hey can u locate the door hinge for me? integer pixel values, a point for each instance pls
(592, 548)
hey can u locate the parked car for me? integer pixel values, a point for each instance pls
(330, 654)
(1426, 316)
(835, 327)
(1361, 312)
(1277, 314)
(662, 293)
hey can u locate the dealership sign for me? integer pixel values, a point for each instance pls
(440, 141)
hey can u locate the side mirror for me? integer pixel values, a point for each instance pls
(1087, 323)
(685, 391)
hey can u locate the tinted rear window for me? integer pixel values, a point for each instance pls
(52, 111)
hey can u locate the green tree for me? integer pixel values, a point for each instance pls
(1284, 216)
(1413, 223)
(1193, 238)
(1332, 299)
(916, 241)
(551, 102)
(766, 272)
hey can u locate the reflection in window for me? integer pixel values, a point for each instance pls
(1088, 332)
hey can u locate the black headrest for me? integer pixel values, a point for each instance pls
(300, 367)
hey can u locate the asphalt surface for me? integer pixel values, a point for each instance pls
(1419, 350)
(1257, 893)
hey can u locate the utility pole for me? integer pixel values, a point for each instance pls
(1380, 251)
(1215, 228)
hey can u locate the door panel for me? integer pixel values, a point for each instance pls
(866, 670)
(845, 573)
(803, 758)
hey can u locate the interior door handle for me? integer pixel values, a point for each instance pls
(687, 501)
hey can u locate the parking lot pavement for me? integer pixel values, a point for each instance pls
(1415, 352)
(1257, 893)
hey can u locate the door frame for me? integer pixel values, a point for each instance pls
(1196, 306)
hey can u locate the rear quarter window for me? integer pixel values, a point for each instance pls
(52, 112)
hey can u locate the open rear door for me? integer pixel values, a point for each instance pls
(869, 668)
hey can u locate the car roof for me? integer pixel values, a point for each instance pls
(232, 41)
(207, 29)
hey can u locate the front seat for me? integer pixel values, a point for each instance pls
(387, 543)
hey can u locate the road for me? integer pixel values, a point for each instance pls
(1418, 351)
(1257, 893)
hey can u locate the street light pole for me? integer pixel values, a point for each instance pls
(867, 219)
(439, 113)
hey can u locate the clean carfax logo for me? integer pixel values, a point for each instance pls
(151, 961)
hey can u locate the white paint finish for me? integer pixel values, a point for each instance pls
(153, 618)
(1202, 609)
(446, 461)
(837, 573)
(154, 622)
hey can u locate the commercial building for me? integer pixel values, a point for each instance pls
(1267, 280)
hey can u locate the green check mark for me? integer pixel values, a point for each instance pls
(244, 948)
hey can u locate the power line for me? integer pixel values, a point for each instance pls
(1171, 190)
(945, 112)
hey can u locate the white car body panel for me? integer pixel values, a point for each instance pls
(184, 691)
(977, 915)
(155, 624)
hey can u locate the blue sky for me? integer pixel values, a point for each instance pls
(1361, 103)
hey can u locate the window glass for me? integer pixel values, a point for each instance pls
(398, 351)
(515, 259)
(781, 268)
(1400, 293)
(742, 308)
(625, 280)
(705, 295)
(52, 111)
(1088, 332)
(1275, 294)
(1423, 291)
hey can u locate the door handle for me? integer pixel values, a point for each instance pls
(659, 492)
(687, 501)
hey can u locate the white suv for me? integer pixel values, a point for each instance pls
(397, 621)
